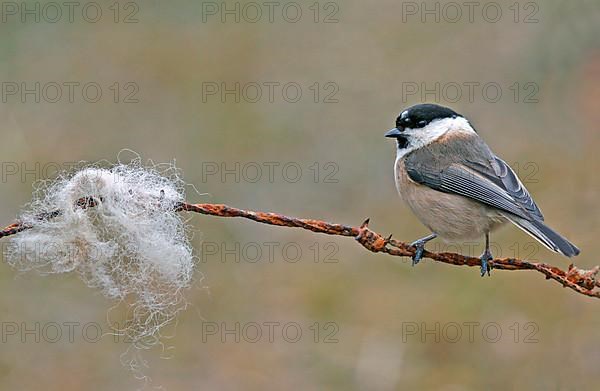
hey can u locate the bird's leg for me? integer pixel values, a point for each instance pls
(485, 257)
(419, 245)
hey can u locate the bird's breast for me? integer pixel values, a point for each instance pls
(451, 216)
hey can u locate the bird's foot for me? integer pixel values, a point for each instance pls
(419, 245)
(485, 265)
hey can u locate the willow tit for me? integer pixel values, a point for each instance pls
(457, 187)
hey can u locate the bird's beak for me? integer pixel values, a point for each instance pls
(394, 133)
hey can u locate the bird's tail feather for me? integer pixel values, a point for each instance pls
(545, 235)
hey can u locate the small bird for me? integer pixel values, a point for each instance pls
(457, 187)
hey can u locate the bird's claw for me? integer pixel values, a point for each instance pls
(485, 265)
(419, 246)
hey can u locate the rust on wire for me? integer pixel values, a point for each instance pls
(581, 281)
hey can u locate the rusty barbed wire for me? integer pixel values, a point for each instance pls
(581, 281)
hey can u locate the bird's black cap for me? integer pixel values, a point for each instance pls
(419, 116)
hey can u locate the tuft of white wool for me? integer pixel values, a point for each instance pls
(131, 244)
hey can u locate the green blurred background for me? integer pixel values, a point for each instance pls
(390, 326)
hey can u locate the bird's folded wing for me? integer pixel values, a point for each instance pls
(506, 178)
(490, 182)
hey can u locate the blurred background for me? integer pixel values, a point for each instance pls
(282, 107)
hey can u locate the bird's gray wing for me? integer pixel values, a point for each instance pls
(500, 173)
(482, 177)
